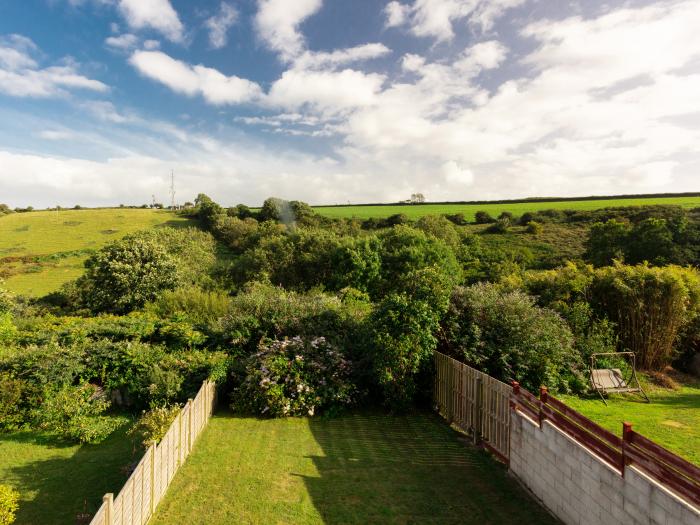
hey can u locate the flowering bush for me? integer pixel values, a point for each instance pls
(294, 377)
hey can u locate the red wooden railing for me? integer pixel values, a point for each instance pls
(671, 471)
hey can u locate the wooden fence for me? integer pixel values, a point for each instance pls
(474, 402)
(669, 470)
(142, 492)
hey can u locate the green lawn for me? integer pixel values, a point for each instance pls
(360, 468)
(55, 479)
(416, 211)
(672, 419)
(39, 251)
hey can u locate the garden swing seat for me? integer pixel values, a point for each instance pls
(612, 380)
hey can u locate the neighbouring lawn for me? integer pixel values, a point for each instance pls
(55, 479)
(672, 419)
(361, 468)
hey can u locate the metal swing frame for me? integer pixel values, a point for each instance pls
(611, 380)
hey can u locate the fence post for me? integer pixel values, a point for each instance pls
(108, 500)
(478, 401)
(626, 441)
(543, 401)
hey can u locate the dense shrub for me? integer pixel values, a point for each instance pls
(507, 336)
(534, 228)
(501, 225)
(295, 377)
(266, 312)
(405, 250)
(9, 504)
(126, 275)
(12, 413)
(152, 426)
(402, 335)
(77, 414)
(650, 307)
(483, 217)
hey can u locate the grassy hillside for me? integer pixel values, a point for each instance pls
(414, 211)
(40, 251)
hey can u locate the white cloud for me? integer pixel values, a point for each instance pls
(123, 42)
(609, 104)
(219, 24)
(56, 135)
(457, 175)
(215, 87)
(151, 45)
(436, 18)
(396, 14)
(277, 23)
(21, 75)
(154, 14)
(332, 59)
(329, 92)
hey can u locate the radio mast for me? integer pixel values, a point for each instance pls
(172, 189)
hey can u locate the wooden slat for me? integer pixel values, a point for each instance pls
(153, 474)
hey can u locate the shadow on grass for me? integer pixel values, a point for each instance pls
(410, 469)
(56, 488)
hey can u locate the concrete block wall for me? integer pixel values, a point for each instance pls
(582, 489)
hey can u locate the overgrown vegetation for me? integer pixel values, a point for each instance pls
(293, 313)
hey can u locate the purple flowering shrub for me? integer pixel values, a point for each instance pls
(294, 377)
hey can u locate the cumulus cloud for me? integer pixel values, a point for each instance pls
(340, 57)
(329, 92)
(214, 86)
(124, 42)
(153, 14)
(277, 23)
(436, 18)
(219, 24)
(22, 76)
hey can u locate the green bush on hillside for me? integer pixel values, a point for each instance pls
(126, 275)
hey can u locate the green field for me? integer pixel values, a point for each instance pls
(55, 480)
(39, 251)
(415, 211)
(672, 419)
(362, 468)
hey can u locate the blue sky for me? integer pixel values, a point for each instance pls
(332, 101)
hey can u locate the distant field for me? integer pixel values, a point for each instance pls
(415, 211)
(39, 251)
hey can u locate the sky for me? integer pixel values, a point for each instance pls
(339, 101)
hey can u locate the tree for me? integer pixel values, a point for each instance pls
(650, 306)
(606, 242)
(126, 275)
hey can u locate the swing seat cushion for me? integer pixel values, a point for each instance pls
(609, 380)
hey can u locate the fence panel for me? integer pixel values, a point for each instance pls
(474, 402)
(149, 481)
